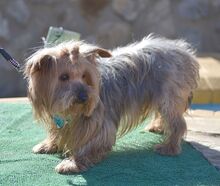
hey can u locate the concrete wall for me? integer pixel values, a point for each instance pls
(107, 22)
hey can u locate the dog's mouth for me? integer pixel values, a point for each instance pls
(76, 101)
(70, 105)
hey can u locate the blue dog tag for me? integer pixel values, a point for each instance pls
(58, 121)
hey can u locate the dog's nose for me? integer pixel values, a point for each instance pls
(82, 96)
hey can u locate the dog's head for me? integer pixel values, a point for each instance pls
(64, 79)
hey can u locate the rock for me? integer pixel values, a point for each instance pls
(216, 3)
(4, 29)
(128, 9)
(113, 34)
(217, 27)
(19, 11)
(72, 19)
(193, 9)
(44, 1)
(91, 39)
(92, 7)
(110, 23)
(215, 7)
(193, 36)
(156, 19)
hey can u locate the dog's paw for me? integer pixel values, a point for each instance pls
(67, 166)
(154, 129)
(167, 150)
(44, 148)
(155, 126)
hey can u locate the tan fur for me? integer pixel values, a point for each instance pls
(119, 93)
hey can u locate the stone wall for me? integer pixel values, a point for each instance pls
(109, 23)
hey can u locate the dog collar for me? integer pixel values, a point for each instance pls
(60, 122)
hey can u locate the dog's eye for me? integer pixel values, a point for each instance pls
(84, 76)
(64, 77)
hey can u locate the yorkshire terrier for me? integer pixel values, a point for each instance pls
(86, 96)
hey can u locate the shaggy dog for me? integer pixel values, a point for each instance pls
(86, 95)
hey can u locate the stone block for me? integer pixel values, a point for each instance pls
(4, 28)
(193, 9)
(19, 11)
(111, 34)
(156, 18)
(127, 9)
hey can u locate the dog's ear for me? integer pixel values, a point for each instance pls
(46, 62)
(34, 65)
(101, 52)
(93, 53)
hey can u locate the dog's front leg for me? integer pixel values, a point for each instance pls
(84, 159)
(47, 146)
(91, 153)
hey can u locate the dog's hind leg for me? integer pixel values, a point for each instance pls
(175, 129)
(156, 125)
(174, 125)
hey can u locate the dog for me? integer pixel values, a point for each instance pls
(86, 96)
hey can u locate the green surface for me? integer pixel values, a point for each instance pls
(132, 161)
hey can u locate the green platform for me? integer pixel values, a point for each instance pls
(132, 162)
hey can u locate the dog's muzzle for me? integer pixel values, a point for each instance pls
(82, 96)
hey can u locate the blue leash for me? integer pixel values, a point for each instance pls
(10, 59)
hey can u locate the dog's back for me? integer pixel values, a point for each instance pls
(144, 76)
